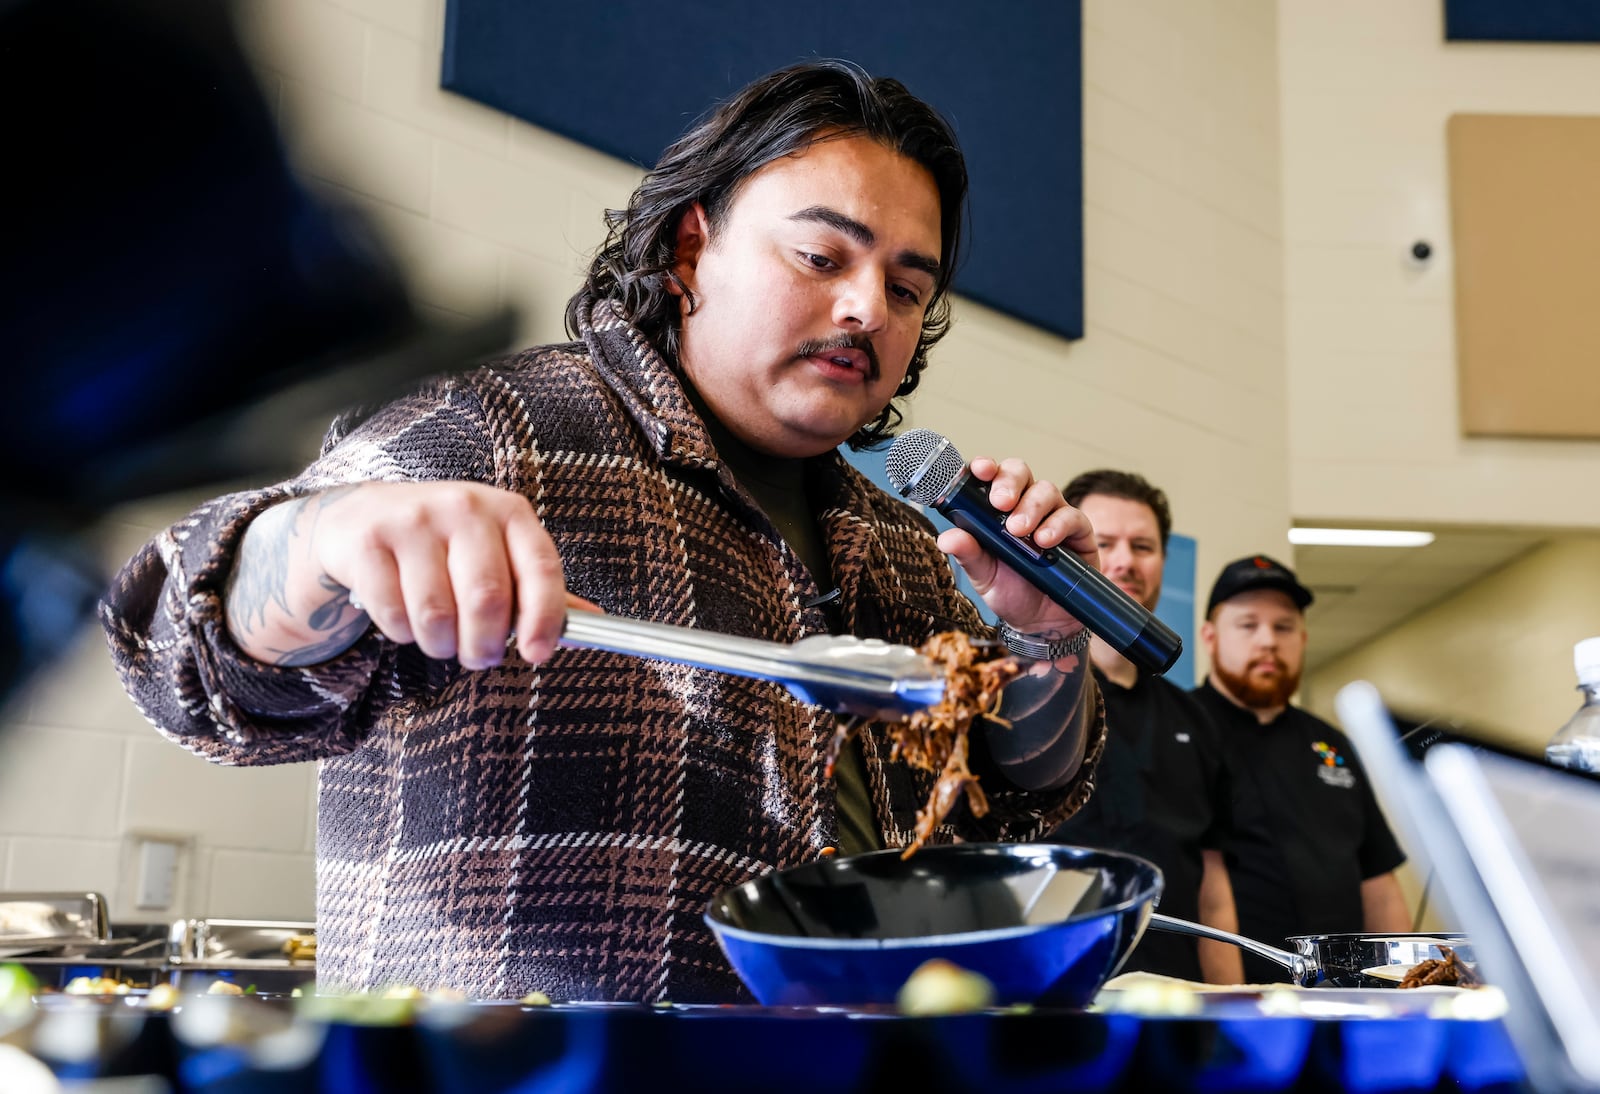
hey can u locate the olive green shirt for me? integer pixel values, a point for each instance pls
(778, 486)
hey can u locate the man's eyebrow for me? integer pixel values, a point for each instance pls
(865, 236)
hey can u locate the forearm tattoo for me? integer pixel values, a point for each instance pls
(1051, 708)
(259, 585)
(335, 615)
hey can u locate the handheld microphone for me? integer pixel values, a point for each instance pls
(926, 468)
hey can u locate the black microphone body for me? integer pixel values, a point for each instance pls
(921, 469)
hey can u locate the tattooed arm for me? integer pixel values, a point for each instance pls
(1054, 708)
(1051, 710)
(450, 566)
(274, 561)
(236, 631)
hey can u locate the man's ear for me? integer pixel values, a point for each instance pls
(691, 240)
(1208, 635)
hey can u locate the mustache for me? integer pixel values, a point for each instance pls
(816, 347)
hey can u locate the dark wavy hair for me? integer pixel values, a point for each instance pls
(1123, 484)
(776, 116)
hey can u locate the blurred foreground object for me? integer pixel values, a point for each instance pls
(174, 304)
(938, 986)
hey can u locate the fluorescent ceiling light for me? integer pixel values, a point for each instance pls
(1358, 537)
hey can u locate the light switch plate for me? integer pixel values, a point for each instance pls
(157, 874)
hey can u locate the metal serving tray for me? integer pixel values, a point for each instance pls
(238, 942)
(135, 954)
(187, 953)
(31, 922)
(250, 952)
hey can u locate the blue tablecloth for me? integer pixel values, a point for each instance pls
(493, 1048)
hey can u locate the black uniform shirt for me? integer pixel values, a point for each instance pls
(1307, 830)
(1162, 793)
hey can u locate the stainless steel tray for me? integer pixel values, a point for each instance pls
(31, 922)
(187, 953)
(239, 943)
(134, 954)
(255, 954)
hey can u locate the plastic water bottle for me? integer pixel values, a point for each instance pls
(1578, 743)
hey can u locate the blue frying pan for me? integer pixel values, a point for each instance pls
(1046, 924)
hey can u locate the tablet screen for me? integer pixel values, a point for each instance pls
(1494, 826)
(1533, 832)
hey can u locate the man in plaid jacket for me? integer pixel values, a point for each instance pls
(498, 815)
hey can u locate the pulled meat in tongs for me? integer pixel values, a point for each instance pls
(928, 697)
(935, 739)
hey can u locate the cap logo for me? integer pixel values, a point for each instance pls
(1262, 564)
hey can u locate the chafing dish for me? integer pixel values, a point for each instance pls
(134, 954)
(33, 922)
(271, 955)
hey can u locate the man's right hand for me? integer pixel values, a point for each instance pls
(451, 566)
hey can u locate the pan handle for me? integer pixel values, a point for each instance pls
(1303, 969)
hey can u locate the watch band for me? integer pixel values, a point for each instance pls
(1036, 647)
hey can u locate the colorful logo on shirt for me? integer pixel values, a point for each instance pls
(1331, 769)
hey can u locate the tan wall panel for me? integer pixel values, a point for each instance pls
(1526, 224)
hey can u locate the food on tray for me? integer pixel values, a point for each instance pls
(536, 999)
(300, 947)
(1449, 970)
(162, 997)
(224, 987)
(395, 1005)
(360, 1008)
(935, 739)
(436, 995)
(96, 985)
(1153, 995)
(1482, 1003)
(938, 986)
(17, 986)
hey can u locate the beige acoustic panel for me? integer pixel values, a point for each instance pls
(1525, 215)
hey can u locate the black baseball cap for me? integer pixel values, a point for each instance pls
(1257, 572)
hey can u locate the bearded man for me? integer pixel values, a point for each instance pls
(1309, 851)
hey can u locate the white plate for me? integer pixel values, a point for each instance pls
(1396, 973)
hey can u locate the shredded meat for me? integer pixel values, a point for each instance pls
(935, 739)
(1450, 970)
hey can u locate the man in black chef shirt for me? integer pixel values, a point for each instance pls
(1309, 851)
(1162, 790)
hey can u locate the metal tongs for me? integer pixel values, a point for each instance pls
(861, 676)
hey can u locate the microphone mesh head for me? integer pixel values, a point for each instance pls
(921, 465)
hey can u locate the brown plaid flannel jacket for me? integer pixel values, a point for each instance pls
(562, 827)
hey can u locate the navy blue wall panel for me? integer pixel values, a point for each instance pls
(1522, 20)
(628, 76)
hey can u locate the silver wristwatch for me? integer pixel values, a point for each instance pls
(1036, 647)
